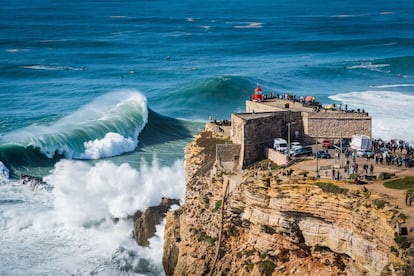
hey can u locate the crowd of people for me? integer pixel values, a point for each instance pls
(311, 102)
(393, 153)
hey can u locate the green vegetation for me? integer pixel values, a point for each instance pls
(402, 241)
(204, 237)
(385, 175)
(401, 184)
(266, 267)
(217, 205)
(380, 203)
(208, 143)
(331, 188)
(394, 250)
(352, 176)
(249, 265)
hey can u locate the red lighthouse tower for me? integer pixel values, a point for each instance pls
(258, 96)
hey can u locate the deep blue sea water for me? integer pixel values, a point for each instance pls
(100, 97)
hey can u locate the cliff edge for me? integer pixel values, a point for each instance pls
(265, 223)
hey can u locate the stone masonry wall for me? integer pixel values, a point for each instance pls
(336, 125)
(278, 157)
(228, 155)
(256, 133)
(236, 132)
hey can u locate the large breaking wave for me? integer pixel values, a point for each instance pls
(108, 126)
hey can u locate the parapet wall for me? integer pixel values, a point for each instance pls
(278, 157)
(260, 107)
(336, 124)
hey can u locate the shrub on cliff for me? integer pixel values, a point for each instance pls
(401, 184)
(331, 188)
(266, 267)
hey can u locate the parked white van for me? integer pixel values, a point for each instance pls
(280, 144)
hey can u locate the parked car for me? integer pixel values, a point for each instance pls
(327, 143)
(339, 149)
(322, 154)
(302, 151)
(364, 153)
(295, 145)
(343, 141)
(279, 144)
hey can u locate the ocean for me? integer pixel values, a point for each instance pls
(100, 97)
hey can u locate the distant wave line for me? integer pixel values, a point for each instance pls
(16, 50)
(53, 68)
(392, 85)
(250, 25)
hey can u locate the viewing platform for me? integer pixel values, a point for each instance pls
(278, 104)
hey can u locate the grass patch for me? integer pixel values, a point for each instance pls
(352, 176)
(217, 205)
(204, 237)
(331, 188)
(385, 175)
(380, 203)
(208, 143)
(401, 184)
(266, 267)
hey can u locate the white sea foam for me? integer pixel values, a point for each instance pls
(71, 227)
(391, 43)
(53, 68)
(4, 173)
(369, 66)
(16, 50)
(343, 15)
(387, 13)
(85, 193)
(111, 145)
(119, 16)
(391, 112)
(250, 25)
(392, 85)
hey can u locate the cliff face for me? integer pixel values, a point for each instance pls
(239, 224)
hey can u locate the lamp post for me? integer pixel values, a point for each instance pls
(288, 148)
(317, 165)
(340, 143)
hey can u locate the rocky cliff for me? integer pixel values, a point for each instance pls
(266, 224)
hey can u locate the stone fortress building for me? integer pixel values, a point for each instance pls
(293, 120)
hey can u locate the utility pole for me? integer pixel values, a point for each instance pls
(288, 148)
(316, 154)
(340, 164)
(288, 125)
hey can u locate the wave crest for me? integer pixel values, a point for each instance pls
(106, 127)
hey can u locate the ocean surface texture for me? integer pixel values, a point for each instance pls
(100, 97)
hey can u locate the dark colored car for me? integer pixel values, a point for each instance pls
(322, 154)
(302, 151)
